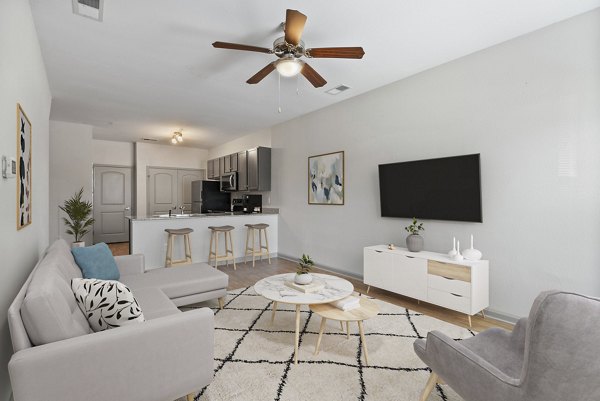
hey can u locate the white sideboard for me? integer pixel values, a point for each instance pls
(431, 277)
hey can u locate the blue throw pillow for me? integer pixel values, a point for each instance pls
(96, 261)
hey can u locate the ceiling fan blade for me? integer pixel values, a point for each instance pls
(313, 77)
(335, 52)
(259, 76)
(294, 26)
(237, 46)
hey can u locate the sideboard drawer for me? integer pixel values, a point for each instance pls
(449, 300)
(449, 270)
(449, 285)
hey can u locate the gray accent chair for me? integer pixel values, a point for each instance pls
(554, 355)
(57, 357)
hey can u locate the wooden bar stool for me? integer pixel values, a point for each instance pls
(262, 249)
(214, 245)
(174, 232)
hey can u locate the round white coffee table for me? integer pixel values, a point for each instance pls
(275, 289)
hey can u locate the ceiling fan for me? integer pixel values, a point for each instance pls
(289, 49)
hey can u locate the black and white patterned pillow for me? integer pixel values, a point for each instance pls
(106, 303)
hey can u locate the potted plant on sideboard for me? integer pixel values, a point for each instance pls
(78, 222)
(414, 242)
(303, 275)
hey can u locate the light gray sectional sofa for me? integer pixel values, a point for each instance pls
(57, 357)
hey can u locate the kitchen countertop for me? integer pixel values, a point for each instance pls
(201, 215)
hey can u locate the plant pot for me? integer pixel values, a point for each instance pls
(79, 244)
(414, 243)
(303, 279)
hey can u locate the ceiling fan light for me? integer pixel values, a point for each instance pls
(179, 137)
(174, 140)
(288, 67)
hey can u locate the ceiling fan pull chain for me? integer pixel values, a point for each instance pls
(298, 84)
(278, 93)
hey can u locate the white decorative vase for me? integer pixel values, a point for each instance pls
(458, 256)
(452, 253)
(472, 253)
(303, 279)
(79, 244)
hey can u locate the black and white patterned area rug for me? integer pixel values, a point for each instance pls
(254, 357)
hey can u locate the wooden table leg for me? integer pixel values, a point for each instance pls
(364, 342)
(274, 310)
(429, 386)
(297, 334)
(321, 329)
(348, 330)
(341, 325)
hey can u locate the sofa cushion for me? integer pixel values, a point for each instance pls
(49, 310)
(180, 281)
(106, 303)
(155, 303)
(96, 261)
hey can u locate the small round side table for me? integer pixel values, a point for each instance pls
(366, 310)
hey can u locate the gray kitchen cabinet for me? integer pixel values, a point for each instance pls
(242, 170)
(259, 169)
(221, 166)
(233, 164)
(227, 163)
(210, 169)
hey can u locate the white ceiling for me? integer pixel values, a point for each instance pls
(149, 67)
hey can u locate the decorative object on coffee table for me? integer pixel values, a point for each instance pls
(303, 276)
(414, 242)
(24, 157)
(472, 253)
(326, 179)
(452, 252)
(79, 222)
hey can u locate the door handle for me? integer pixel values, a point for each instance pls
(127, 208)
(231, 181)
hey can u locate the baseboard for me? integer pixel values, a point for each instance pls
(504, 317)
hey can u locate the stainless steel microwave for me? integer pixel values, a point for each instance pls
(229, 182)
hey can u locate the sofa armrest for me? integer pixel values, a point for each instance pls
(130, 264)
(160, 359)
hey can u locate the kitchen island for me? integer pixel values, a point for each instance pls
(148, 236)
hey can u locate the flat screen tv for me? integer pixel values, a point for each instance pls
(447, 188)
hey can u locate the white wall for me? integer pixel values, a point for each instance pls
(71, 169)
(250, 141)
(23, 80)
(530, 106)
(150, 155)
(113, 153)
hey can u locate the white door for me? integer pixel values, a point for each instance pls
(112, 202)
(161, 190)
(184, 184)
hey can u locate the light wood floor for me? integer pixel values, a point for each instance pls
(246, 275)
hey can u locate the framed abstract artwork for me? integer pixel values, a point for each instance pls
(23, 169)
(326, 179)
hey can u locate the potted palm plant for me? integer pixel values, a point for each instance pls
(303, 275)
(78, 222)
(414, 242)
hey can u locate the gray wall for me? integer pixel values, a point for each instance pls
(530, 106)
(71, 168)
(22, 79)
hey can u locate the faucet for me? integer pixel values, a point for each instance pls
(182, 207)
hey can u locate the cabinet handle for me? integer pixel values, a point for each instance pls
(410, 257)
(456, 295)
(378, 251)
(447, 278)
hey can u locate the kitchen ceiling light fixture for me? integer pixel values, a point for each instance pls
(177, 137)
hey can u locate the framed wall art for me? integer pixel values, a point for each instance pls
(23, 169)
(326, 179)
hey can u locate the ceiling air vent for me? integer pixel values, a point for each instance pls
(338, 89)
(149, 139)
(89, 8)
